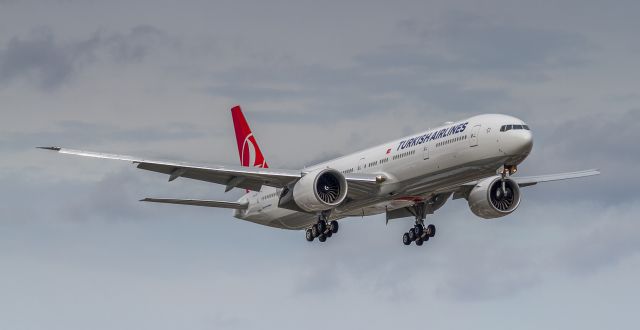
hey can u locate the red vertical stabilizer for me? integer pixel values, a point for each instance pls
(248, 149)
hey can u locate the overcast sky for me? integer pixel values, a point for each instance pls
(316, 79)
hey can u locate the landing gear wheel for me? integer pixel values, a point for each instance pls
(328, 233)
(309, 235)
(419, 242)
(322, 238)
(333, 225)
(418, 229)
(431, 230)
(322, 226)
(405, 239)
(314, 231)
(412, 234)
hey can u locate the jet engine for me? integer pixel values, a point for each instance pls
(494, 197)
(320, 190)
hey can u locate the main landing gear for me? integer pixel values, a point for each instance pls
(419, 233)
(323, 229)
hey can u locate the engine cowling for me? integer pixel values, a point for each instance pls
(320, 190)
(489, 199)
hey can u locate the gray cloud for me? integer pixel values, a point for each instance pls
(423, 71)
(330, 94)
(49, 63)
(598, 245)
(589, 141)
(81, 134)
(38, 55)
(462, 44)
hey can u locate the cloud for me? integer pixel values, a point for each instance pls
(428, 69)
(68, 133)
(330, 94)
(40, 56)
(50, 63)
(464, 42)
(605, 242)
(589, 141)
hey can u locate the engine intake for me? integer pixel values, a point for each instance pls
(494, 197)
(320, 190)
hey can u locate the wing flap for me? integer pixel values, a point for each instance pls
(361, 186)
(198, 202)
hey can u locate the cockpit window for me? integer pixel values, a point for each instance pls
(505, 128)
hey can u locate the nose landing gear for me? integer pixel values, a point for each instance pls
(507, 170)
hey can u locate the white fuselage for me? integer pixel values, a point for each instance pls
(415, 167)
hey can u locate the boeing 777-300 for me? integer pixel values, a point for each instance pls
(411, 177)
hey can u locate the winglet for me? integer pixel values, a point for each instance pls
(50, 148)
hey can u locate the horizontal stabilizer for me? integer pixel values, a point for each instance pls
(198, 202)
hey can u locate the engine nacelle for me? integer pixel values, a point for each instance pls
(493, 198)
(320, 190)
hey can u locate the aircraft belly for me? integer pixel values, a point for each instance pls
(378, 208)
(422, 185)
(281, 218)
(452, 176)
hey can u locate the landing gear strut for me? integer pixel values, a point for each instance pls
(419, 233)
(322, 229)
(507, 170)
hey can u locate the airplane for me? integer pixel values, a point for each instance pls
(411, 177)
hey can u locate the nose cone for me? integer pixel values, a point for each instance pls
(517, 142)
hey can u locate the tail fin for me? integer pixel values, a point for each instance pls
(248, 149)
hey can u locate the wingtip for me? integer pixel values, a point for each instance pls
(50, 148)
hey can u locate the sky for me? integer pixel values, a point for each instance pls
(316, 80)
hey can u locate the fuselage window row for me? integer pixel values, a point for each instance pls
(460, 138)
(404, 154)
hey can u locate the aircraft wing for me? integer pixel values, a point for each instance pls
(525, 181)
(251, 178)
(231, 176)
(532, 180)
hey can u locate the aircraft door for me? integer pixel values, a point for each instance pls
(473, 139)
(361, 164)
(425, 153)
